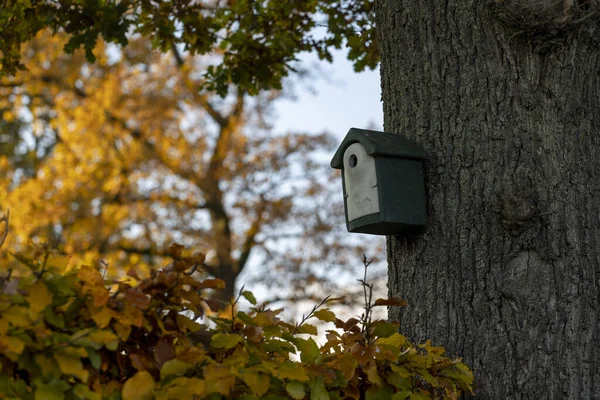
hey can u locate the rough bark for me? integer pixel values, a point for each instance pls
(508, 273)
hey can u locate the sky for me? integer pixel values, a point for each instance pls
(336, 100)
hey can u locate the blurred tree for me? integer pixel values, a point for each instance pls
(125, 155)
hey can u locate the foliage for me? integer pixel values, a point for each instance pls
(70, 334)
(256, 39)
(124, 156)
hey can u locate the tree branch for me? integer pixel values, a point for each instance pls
(200, 98)
(5, 219)
(251, 233)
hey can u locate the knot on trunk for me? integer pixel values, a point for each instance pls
(517, 207)
(543, 21)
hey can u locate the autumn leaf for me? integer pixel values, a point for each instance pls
(137, 299)
(217, 284)
(258, 383)
(295, 389)
(122, 330)
(13, 344)
(104, 337)
(291, 370)
(139, 387)
(325, 315)
(39, 297)
(102, 317)
(175, 250)
(174, 367)
(225, 341)
(90, 276)
(392, 302)
(307, 328)
(70, 365)
(309, 350)
(218, 379)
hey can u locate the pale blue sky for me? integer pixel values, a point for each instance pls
(343, 99)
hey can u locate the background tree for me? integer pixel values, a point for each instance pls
(124, 156)
(504, 97)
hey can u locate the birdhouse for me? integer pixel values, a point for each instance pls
(383, 183)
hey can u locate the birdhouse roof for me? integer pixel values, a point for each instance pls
(378, 144)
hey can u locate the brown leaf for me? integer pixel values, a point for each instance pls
(141, 362)
(133, 273)
(392, 301)
(350, 324)
(175, 250)
(164, 350)
(213, 304)
(136, 299)
(211, 284)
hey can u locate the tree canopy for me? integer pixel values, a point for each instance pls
(253, 42)
(123, 156)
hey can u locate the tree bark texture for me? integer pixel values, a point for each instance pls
(507, 274)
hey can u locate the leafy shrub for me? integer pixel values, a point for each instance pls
(74, 335)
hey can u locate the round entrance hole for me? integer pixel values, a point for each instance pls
(352, 161)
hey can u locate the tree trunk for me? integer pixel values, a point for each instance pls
(505, 98)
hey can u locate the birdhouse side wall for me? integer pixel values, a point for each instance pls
(401, 191)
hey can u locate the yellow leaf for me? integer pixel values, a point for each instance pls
(39, 297)
(105, 337)
(218, 379)
(17, 316)
(3, 326)
(70, 365)
(258, 383)
(292, 370)
(48, 365)
(102, 317)
(90, 275)
(325, 315)
(122, 331)
(12, 344)
(308, 328)
(139, 387)
(183, 389)
(371, 371)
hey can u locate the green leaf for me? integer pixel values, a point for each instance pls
(94, 358)
(309, 350)
(295, 389)
(225, 341)
(56, 320)
(54, 390)
(317, 389)
(379, 393)
(249, 296)
(383, 329)
(174, 367)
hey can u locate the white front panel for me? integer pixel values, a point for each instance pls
(360, 179)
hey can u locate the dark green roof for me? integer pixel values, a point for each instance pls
(378, 144)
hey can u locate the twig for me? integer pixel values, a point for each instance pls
(5, 220)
